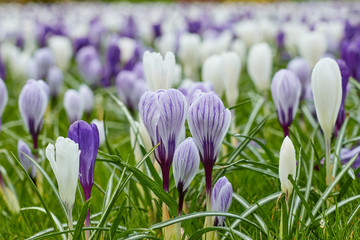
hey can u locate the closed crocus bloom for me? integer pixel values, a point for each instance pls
(159, 71)
(189, 53)
(55, 79)
(345, 74)
(101, 129)
(33, 101)
(239, 47)
(327, 92)
(130, 89)
(87, 137)
(231, 67)
(301, 68)
(287, 165)
(87, 97)
(212, 72)
(208, 121)
(163, 113)
(44, 60)
(24, 151)
(286, 90)
(64, 160)
(221, 199)
(73, 105)
(259, 65)
(89, 64)
(3, 98)
(312, 46)
(62, 48)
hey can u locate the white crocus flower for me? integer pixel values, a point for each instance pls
(62, 48)
(212, 72)
(231, 66)
(312, 46)
(287, 165)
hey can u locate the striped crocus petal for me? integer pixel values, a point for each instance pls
(221, 199)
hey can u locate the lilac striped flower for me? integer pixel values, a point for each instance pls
(188, 88)
(87, 136)
(221, 199)
(286, 90)
(23, 150)
(185, 165)
(208, 121)
(73, 105)
(89, 64)
(345, 74)
(3, 98)
(55, 79)
(163, 113)
(301, 68)
(33, 101)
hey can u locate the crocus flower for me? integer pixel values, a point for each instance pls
(287, 165)
(259, 65)
(33, 101)
(286, 90)
(346, 155)
(89, 64)
(189, 53)
(208, 121)
(188, 88)
(101, 129)
(2, 70)
(73, 105)
(345, 74)
(221, 199)
(130, 88)
(163, 113)
(55, 79)
(159, 71)
(24, 151)
(185, 165)
(352, 57)
(87, 97)
(44, 60)
(312, 46)
(301, 68)
(87, 137)
(212, 72)
(64, 160)
(3, 98)
(62, 48)
(231, 68)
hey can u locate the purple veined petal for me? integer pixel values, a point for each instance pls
(23, 148)
(87, 136)
(73, 105)
(55, 79)
(221, 198)
(185, 164)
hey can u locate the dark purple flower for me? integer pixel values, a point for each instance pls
(221, 199)
(345, 74)
(19, 42)
(23, 150)
(89, 64)
(87, 136)
(163, 113)
(2, 70)
(81, 42)
(157, 29)
(193, 26)
(351, 55)
(280, 39)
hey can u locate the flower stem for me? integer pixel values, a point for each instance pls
(283, 219)
(327, 160)
(70, 222)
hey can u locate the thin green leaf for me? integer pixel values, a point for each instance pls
(81, 219)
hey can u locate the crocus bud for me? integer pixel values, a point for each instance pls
(55, 79)
(231, 67)
(130, 89)
(287, 165)
(259, 65)
(221, 199)
(345, 74)
(24, 151)
(327, 92)
(189, 46)
(208, 121)
(89, 65)
(211, 72)
(64, 160)
(62, 48)
(44, 60)
(159, 71)
(302, 70)
(33, 101)
(73, 105)
(3, 98)
(87, 97)
(286, 90)
(163, 113)
(101, 129)
(239, 47)
(312, 46)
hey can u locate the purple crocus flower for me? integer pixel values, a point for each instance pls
(163, 113)
(157, 29)
(3, 98)
(89, 64)
(129, 28)
(352, 57)
(2, 70)
(185, 165)
(221, 199)
(44, 60)
(345, 74)
(87, 136)
(130, 88)
(286, 90)
(208, 121)
(23, 150)
(188, 88)
(33, 101)
(280, 39)
(301, 68)
(55, 79)
(80, 42)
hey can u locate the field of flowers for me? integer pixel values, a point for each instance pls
(180, 121)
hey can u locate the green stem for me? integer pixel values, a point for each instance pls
(178, 231)
(70, 222)
(284, 219)
(209, 220)
(327, 160)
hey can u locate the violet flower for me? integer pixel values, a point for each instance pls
(286, 90)
(163, 113)
(221, 199)
(33, 101)
(89, 64)
(188, 88)
(55, 79)
(345, 74)
(23, 150)
(352, 57)
(301, 68)
(345, 156)
(44, 60)
(87, 136)
(2, 70)
(185, 166)
(3, 98)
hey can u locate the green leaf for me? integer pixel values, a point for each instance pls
(81, 220)
(199, 233)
